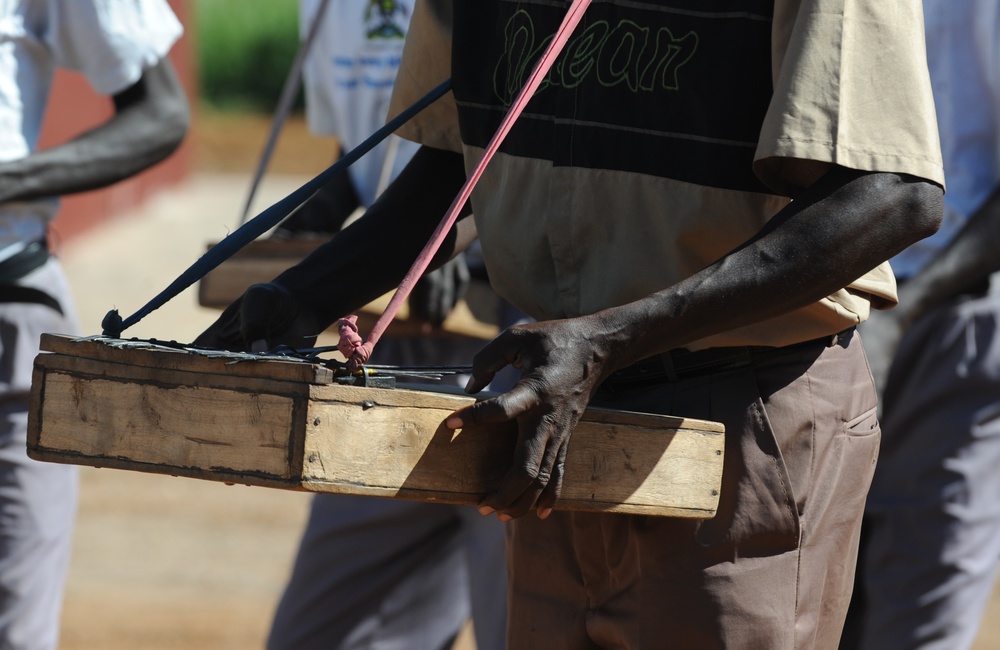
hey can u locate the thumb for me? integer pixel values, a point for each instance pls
(495, 410)
(491, 359)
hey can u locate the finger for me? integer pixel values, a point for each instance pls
(503, 408)
(529, 472)
(496, 355)
(421, 299)
(462, 276)
(436, 296)
(547, 499)
(520, 505)
(445, 298)
(530, 496)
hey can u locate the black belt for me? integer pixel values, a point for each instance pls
(17, 293)
(676, 365)
(20, 264)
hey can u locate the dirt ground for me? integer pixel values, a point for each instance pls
(164, 563)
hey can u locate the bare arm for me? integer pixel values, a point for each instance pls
(371, 256)
(361, 263)
(151, 118)
(841, 227)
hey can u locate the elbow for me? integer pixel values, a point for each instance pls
(922, 203)
(174, 121)
(155, 111)
(159, 128)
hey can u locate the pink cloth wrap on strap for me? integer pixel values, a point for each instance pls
(351, 345)
(350, 340)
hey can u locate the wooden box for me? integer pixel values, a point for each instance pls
(288, 424)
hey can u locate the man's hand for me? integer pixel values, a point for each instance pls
(265, 316)
(561, 364)
(435, 295)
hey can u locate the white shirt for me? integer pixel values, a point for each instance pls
(111, 42)
(349, 75)
(963, 48)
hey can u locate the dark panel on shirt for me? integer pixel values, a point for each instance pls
(675, 89)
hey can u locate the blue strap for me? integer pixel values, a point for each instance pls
(114, 325)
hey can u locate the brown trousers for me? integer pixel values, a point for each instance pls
(773, 570)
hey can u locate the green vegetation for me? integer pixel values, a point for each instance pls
(245, 49)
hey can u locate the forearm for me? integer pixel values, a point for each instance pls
(839, 229)
(371, 256)
(970, 257)
(149, 123)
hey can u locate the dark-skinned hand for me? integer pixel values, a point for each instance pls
(265, 316)
(561, 363)
(436, 293)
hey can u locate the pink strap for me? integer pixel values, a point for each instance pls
(351, 345)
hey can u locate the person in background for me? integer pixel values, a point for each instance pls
(372, 573)
(930, 542)
(121, 48)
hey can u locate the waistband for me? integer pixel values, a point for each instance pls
(20, 264)
(676, 365)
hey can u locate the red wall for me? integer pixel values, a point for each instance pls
(74, 108)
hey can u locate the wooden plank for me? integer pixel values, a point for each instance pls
(220, 425)
(394, 444)
(156, 416)
(84, 416)
(140, 354)
(165, 377)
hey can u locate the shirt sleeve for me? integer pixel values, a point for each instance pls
(426, 64)
(851, 88)
(111, 41)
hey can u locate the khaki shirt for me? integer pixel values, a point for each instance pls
(563, 238)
